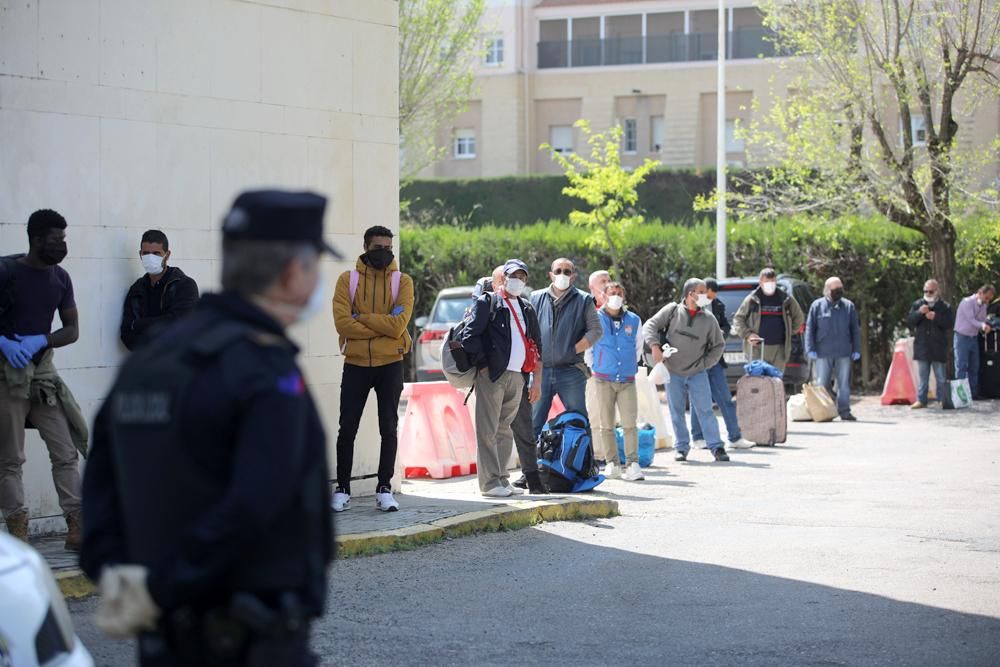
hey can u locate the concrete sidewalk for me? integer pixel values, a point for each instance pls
(430, 511)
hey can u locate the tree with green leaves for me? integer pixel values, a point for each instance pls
(608, 189)
(440, 43)
(873, 116)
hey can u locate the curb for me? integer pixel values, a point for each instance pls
(75, 585)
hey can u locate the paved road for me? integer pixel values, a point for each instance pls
(875, 543)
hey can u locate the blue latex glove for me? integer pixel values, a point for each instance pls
(14, 352)
(33, 344)
(398, 310)
(855, 356)
(354, 316)
(814, 356)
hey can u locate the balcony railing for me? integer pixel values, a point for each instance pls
(743, 43)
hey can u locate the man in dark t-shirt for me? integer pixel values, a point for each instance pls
(769, 317)
(32, 289)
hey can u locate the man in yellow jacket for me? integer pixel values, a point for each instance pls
(371, 307)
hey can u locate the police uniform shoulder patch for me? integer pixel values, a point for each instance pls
(292, 384)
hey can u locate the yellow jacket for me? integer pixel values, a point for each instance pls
(374, 337)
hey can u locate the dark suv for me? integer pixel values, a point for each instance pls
(732, 292)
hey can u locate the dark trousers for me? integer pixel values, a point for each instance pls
(293, 651)
(524, 435)
(358, 381)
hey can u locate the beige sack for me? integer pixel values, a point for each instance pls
(822, 407)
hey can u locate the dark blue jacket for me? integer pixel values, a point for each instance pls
(486, 340)
(833, 329)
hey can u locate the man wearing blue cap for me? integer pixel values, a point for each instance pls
(206, 520)
(502, 340)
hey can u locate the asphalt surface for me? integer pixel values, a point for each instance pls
(869, 543)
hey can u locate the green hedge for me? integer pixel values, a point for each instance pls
(882, 265)
(666, 195)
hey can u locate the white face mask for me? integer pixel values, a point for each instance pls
(615, 302)
(514, 286)
(703, 300)
(562, 281)
(317, 300)
(152, 264)
(769, 288)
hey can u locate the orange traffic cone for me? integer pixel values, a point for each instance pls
(899, 388)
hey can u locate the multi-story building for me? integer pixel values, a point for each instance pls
(648, 65)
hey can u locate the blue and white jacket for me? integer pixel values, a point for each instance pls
(615, 355)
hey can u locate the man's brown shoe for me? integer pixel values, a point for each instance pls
(17, 525)
(74, 536)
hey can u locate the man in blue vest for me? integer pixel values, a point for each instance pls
(569, 323)
(615, 365)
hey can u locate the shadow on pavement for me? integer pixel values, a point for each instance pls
(569, 602)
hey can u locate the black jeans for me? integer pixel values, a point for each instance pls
(358, 381)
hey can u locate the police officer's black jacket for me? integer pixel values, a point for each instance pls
(220, 485)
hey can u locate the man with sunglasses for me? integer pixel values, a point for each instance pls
(931, 319)
(570, 324)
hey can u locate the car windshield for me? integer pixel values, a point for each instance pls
(733, 299)
(450, 309)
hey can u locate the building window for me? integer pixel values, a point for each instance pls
(630, 139)
(465, 144)
(918, 129)
(656, 136)
(734, 144)
(561, 138)
(494, 51)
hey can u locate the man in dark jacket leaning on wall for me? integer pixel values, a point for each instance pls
(164, 294)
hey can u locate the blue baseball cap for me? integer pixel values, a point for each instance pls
(514, 265)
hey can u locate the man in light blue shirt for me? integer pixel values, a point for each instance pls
(970, 320)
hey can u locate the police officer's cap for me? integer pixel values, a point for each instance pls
(278, 215)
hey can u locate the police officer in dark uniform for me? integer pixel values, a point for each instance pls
(206, 521)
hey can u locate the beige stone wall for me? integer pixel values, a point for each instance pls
(126, 115)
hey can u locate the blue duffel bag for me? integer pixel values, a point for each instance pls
(647, 445)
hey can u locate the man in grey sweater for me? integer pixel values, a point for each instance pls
(694, 333)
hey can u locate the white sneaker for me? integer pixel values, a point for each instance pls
(385, 502)
(341, 502)
(514, 491)
(612, 471)
(498, 492)
(699, 444)
(742, 443)
(633, 473)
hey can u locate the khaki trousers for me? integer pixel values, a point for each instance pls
(497, 404)
(54, 429)
(624, 397)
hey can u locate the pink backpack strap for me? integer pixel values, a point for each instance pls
(353, 288)
(396, 275)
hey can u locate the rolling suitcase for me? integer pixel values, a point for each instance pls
(989, 366)
(760, 409)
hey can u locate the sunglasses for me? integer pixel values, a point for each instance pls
(559, 272)
(930, 291)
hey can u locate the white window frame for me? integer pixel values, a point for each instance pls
(562, 150)
(655, 147)
(464, 144)
(493, 57)
(626, 143)
(918, 124)
(733, 143)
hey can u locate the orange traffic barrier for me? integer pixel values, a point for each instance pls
(556, 409)
(437, 438)
(899, 387)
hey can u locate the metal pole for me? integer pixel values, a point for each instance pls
(720, 150)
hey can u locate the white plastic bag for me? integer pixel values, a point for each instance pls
(798, 411)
